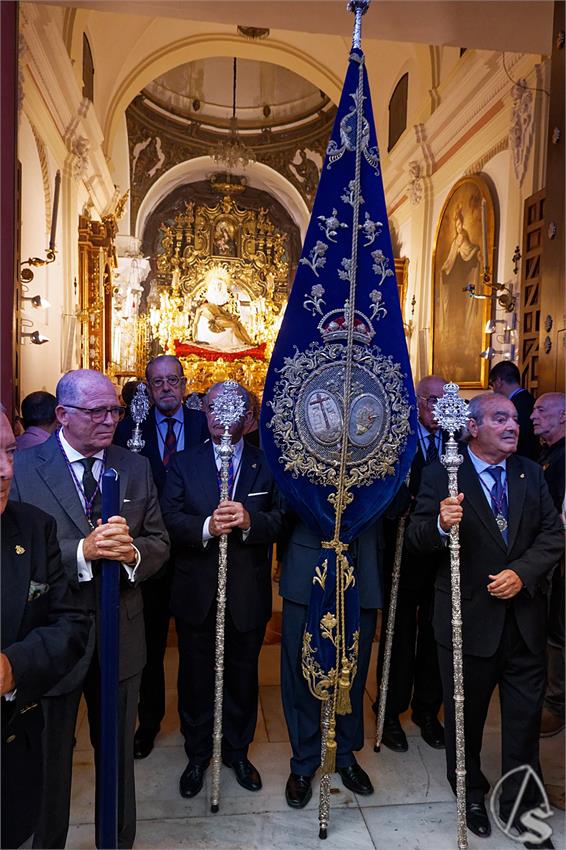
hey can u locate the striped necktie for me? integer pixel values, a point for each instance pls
(170, 446)
(432, 451)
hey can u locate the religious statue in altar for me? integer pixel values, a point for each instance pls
(222, 281)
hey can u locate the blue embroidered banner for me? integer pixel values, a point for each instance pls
(338, 418)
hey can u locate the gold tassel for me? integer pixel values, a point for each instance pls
(329, 763)
(343, 704)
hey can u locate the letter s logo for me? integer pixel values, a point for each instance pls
(538, 831)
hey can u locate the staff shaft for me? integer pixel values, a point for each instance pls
(390, 631)
(452, 460)
(226, 451)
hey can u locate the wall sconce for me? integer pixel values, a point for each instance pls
(410, 325)
(500, 292)
(36, 300)
(510, 325)
(26, 274)
(35, 337)
(490, 352)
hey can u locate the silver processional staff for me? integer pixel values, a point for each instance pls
(451, 413)
(227, 408)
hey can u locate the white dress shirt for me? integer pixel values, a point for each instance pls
(236, 464)
(84, 567)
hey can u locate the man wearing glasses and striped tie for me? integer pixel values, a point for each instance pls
(63, 477)
(169, 428)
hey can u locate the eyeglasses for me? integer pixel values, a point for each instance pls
(430, 400)
(99, 414)
(172, 380)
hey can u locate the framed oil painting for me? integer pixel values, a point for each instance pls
(464, 234)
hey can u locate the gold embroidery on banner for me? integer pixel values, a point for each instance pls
(320, 575)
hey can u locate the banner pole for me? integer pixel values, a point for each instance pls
(107, 771)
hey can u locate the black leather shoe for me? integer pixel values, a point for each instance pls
(246, 774)
(356, 779)
(545, 845)
(298, 790)
(477, 819)
(191, 780)
(432, 731)
(143, 744)
(393, 736)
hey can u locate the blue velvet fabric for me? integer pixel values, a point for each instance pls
(321, 286)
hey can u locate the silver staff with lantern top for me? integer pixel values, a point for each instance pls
(451, 413)
(228, 408)
(139, 408)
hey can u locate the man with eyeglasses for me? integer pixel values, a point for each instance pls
(510, 540)
(414, 675)
(169, 428)
(62, 477)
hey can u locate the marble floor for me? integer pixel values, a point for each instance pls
(412, 808)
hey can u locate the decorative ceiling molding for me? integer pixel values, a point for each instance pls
(157, 144)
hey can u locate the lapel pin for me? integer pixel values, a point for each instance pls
(522, 475)
(254, 465)
(19, 550)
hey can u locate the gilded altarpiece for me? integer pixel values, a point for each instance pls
(221, 287)
(97, 259)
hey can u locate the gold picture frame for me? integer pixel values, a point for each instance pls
(458, 319)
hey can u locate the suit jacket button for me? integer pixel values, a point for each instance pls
(10, 738)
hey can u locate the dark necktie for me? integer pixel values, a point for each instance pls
(432, 451)
(170, 446)
(90, 490)
(499, 500)
(230, 476)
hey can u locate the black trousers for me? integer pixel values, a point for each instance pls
(60, 715)
(196, 687)
(520, 675)
(302, 710)
(414, 659)
(156, 596)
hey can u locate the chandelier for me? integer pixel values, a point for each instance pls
(233, 153)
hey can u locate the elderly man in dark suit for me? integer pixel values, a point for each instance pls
(62, 476)
(169, 428)
(505, 378)
(302, 710)
(43, 637)
(414, 677)
(510, 539)
(195, 520)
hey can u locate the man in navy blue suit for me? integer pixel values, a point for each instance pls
(169, 428)
(196, 519)
(302, 709)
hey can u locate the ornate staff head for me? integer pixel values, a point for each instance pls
(451, 411)
(139, 409)
(228, 407)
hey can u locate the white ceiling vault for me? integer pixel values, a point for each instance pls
(511, 25)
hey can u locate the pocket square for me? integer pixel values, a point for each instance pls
(259, 493)
(36, 588)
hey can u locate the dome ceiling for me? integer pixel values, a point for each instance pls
(267, 95)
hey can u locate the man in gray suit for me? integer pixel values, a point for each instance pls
(62, 477)
(302, 710)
